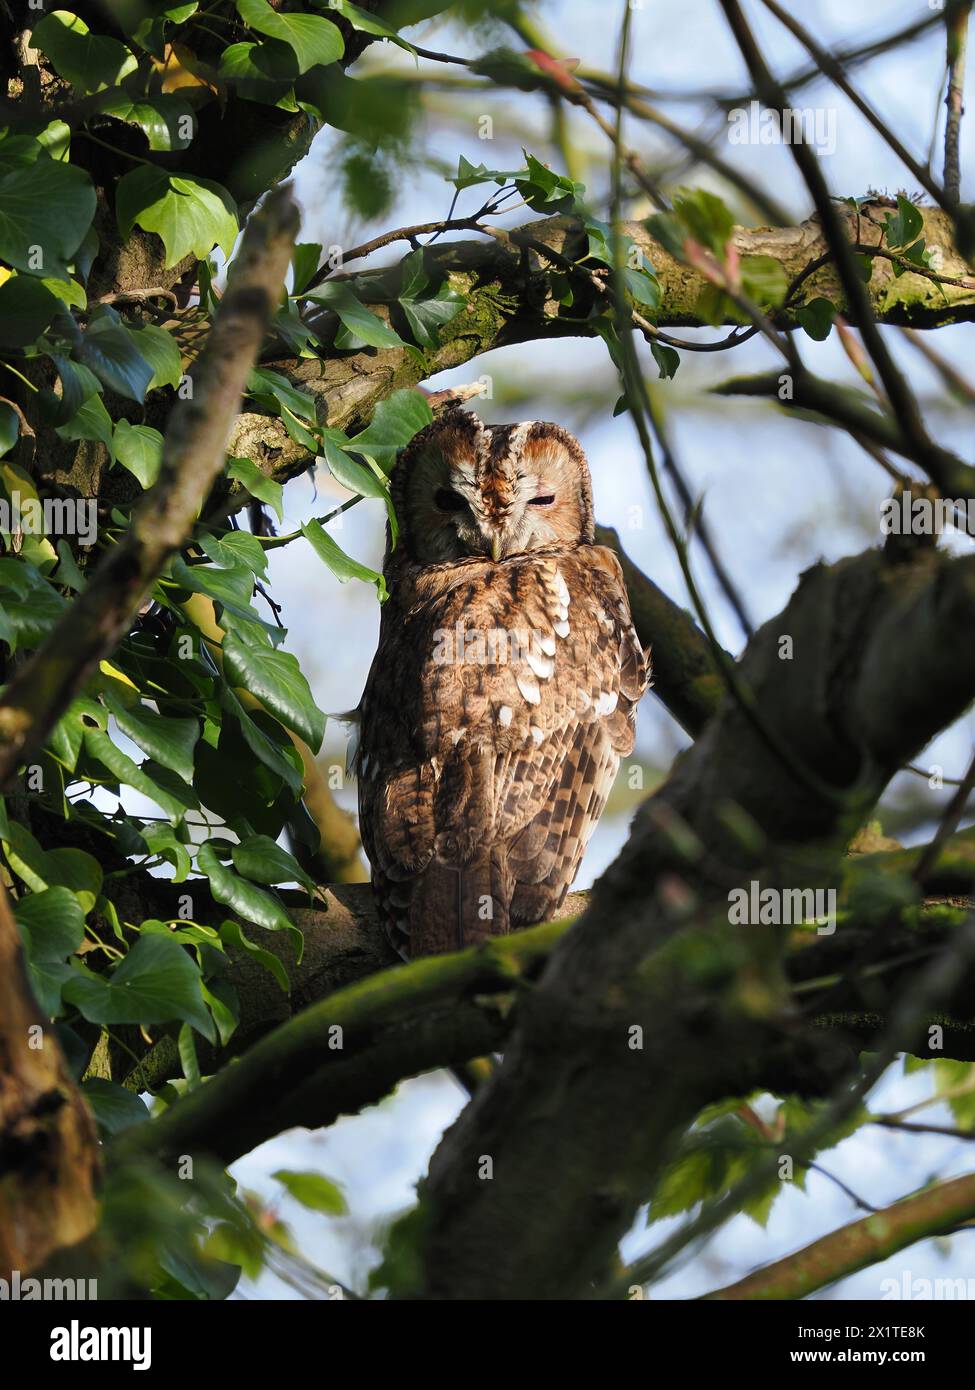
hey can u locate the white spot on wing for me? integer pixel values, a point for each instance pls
(529, 689)
(536, 733)
(505, 714)
(541, 665)
(607, 702)
(561, 627)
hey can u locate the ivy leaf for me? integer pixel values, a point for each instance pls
(232, 935)
(246, 899)
(121, 766)
(263, 72)
(315, 40)
(139, 449)
(115, 1107)
(167, 121)
(276, 680)
(362, 327)
(160, 839)
(394, 423)
(367, 23)
(305, 262)
(166, 739)
(260, 744)
(263, 860)
(707, 219)
(765, 280)
(78, 385)
(109, 350)
(816, 318)
(27, 306)
(54, 868)
(355, 476)
(52, 925)
(45, 211)
(313, 1191)
(190, 215)
(263, 383)
(156, 982)
(342, 566)
(904, 225)
(9, 428)
(667, 360)
(258, 484)
(426, 311)
(90, 421)
(161, 351)
(88, 61)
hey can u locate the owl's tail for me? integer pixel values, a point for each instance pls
(458, 905)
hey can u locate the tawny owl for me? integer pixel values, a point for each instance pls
(503, 691)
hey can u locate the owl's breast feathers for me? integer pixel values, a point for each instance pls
(499, 703)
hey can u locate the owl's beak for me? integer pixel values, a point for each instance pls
(496, 547)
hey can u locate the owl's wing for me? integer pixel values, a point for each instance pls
(486, 759)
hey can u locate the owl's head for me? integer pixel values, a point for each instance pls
(462, 488)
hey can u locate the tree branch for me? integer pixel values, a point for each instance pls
(876, 1237)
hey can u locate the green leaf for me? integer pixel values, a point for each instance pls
(394, 423)
(53, 868)
(313, 1191)
(157, 982)
(161, 351)
(262, 72)
(262, 382)
(88, 61)
(68, 574)
(642, 288)
(263, 860)
(167, 121)
(355, 475)
(246, 899)
(235, 548)
(78, 385)
(368, 23)
(115, 1107)
(362, 327)
(816, 318)
(232, 935)
(167, 739)
(9, 428)
(258, 484)
(275, 679)
(315, 40)
(109, 350)
(267, 752)
(121, 766)
(305, 262)
(26, 308)
(666, 358)
(765, 280)
(30, 605)
(90, 421)
(139, 449)
(426, 310)
(45, 211)
(706, 218)
(903, 226)
(52, 925)
(342, 566)
(161, 840)
(191, 215)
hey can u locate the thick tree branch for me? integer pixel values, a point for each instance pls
(510, 299)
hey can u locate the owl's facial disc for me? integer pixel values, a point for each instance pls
(497, 492)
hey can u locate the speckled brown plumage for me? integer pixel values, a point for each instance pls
(503, 691)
